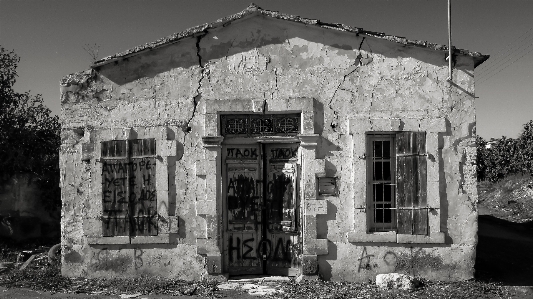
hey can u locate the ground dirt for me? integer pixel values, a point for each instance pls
(510, 199)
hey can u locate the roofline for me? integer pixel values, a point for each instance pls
(254, 9)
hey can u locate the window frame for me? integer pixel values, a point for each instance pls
(359, 127)
(371, 137)
(166, 155)
(134, 224)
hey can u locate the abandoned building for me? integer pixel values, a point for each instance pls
(270, 144)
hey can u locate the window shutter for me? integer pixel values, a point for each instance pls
(411, 196)
(115, 171)
(143, 195)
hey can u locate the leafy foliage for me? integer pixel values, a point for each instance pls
(499, 158)
(29, 134)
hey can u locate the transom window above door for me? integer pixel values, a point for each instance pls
(247, 125)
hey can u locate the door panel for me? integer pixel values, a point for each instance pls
(244, 218)
(261, 235)
(282, 208)
(283, 259)
(243, 209)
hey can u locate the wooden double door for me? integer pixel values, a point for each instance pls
(261, 209)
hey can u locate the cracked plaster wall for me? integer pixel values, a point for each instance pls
(263, 59)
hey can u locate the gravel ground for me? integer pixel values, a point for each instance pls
(48, 281)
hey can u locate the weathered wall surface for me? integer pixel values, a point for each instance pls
(349, 77)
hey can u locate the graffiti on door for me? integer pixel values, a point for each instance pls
(241, 153)
(261, 205)
(242, 197)
(284, 152)
(281, 197)
(265, 249)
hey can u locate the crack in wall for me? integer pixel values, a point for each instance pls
(276, 81)
(196, 99)
(354, 66)
(352, 69)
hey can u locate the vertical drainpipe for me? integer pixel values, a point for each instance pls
(450, 39)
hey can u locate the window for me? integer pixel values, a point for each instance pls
(396, 177)
(129, 197)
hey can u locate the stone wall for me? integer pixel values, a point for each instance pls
(356, 83)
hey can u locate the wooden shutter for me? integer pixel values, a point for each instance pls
(115, 171)
(143, 195)
(411, 196)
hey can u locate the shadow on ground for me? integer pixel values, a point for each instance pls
(505, 252)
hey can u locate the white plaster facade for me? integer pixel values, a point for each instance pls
(342, 81)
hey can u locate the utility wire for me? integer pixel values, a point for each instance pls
(502, 63)
(487, 78)
(488, 68)
(502, 60)
(509, 45)
(508, 62)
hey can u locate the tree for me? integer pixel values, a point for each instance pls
(499, 158)
(525, 147)
(29, 134)
(481, 158)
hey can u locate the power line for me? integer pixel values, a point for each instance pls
(508, 46)
(483, 80)
(516, 51)
(502, 63)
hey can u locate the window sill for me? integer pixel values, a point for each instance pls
(378, 237)
(108, 240)
(160, 239)
(432, 238)
(393, 237)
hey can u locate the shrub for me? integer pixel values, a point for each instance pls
(29, 134)
(499, 158)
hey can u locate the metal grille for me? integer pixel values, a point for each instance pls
(260, 124)
(382, 180)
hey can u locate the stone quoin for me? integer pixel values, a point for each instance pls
(271, 144)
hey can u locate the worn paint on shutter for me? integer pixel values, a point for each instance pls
(115, 189)
(114, 149)
(411, 196)
(142, 147)
(420, 216)
(143, 194)
(404, 192)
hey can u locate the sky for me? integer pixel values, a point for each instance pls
(50, 37)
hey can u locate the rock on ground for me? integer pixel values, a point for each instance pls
(395, 281)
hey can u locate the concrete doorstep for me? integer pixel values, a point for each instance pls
(258, 286)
